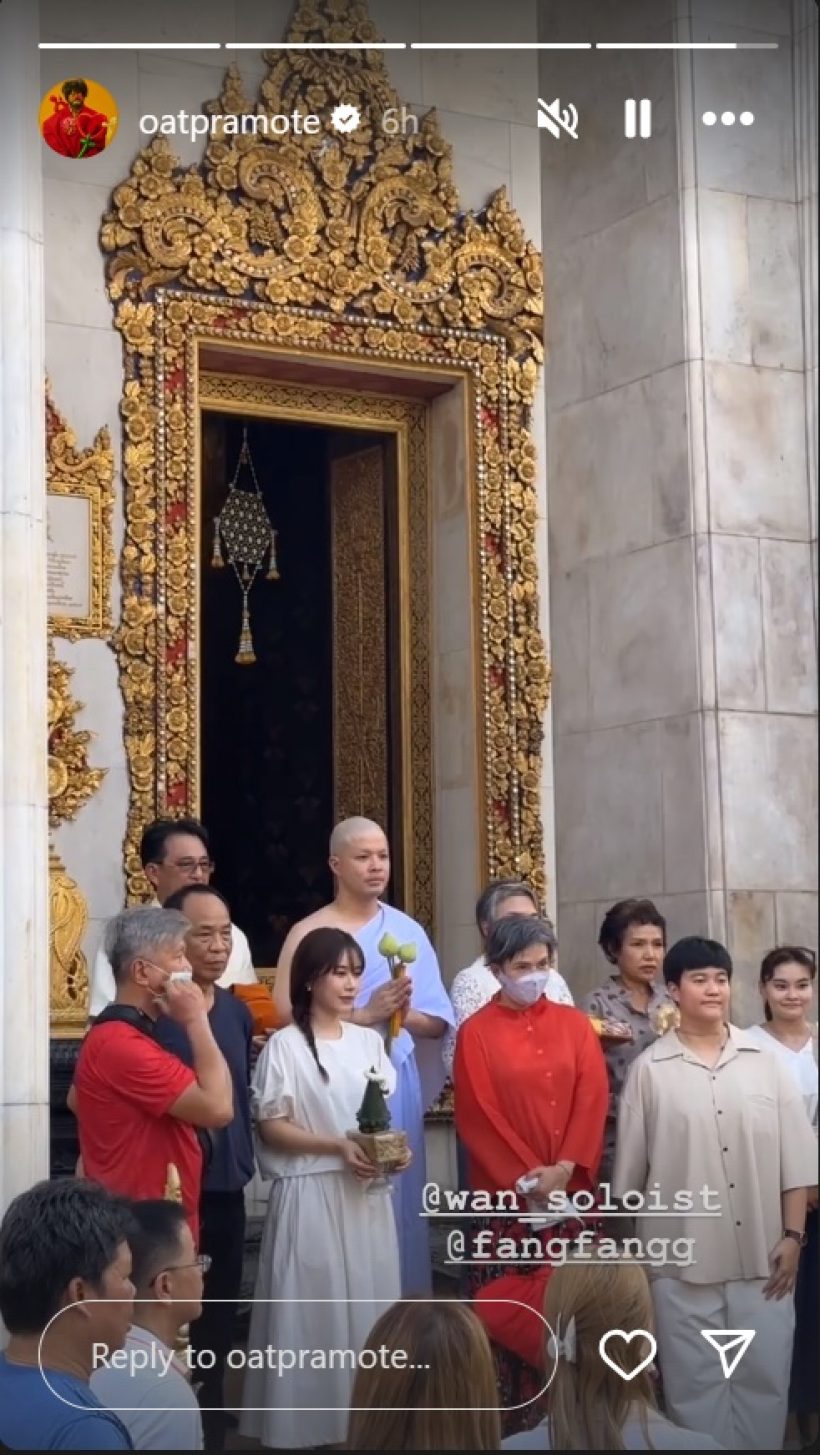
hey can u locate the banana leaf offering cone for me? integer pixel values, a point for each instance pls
(385, 1148)
(398, 957)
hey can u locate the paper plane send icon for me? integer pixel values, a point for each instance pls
(731, 1345)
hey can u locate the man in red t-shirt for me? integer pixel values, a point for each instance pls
(138, 1105)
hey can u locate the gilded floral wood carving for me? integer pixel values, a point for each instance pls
(71, 782)
(348, 246)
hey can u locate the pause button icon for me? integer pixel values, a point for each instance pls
(637, 117)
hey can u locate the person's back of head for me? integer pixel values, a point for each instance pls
(59, 1244)
(442, 1392)
(589, 1402)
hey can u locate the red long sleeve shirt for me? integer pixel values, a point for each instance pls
(531, 1089)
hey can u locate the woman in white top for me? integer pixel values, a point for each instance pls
(476, 985)
(330, 1254)
(787, 987)
(591, 1406)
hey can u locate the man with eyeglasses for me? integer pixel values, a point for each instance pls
(174, 854)
(147, 1384)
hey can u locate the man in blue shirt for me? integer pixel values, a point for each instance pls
(63, 1249)
(231, 1164)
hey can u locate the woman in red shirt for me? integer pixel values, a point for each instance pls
(531, 1096)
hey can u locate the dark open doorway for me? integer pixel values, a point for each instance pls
(269, 730)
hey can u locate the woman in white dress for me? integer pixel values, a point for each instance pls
(787, 987)
(591, 1406)
(329, 1249)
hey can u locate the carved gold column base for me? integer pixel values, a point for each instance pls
(70, 785)
(69, 968)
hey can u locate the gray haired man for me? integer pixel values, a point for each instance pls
(476, 985)
(138, 1106)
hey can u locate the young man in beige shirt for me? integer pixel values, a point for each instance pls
(706, 1111)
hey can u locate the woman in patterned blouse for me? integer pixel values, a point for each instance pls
(633, 938)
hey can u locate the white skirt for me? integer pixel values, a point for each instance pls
(329, 1247)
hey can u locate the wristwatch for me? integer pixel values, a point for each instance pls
(800, 1238)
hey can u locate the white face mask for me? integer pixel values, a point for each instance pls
(528, 989)
(175, 975)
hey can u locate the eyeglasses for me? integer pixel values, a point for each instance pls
(203, 1262)
(193, 866)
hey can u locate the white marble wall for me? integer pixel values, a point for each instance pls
(24, 963)
(486, 106)
(805, 70)
(683, 625)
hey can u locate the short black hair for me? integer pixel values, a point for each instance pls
(68, 87)
(490, 899)
(155, 837)
(155, 1238)
(508, 937)
(620, 917)
(695, 953)
(52, 1233)
(180, 897)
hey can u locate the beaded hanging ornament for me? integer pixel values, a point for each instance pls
(243, 527)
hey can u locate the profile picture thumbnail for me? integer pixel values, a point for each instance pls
(78, 118)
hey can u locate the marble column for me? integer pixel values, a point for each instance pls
(24, 955)
(744, 294)
(805, 82)
(681, 328)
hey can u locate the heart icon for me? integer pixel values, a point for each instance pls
(622, 1334)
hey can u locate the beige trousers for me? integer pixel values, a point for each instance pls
(748, 1410)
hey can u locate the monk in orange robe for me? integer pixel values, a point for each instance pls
(531, 1097)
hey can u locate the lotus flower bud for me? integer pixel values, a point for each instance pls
(388, 945)
(407, 954)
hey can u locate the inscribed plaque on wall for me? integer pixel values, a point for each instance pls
(69, 557)
(80, 502)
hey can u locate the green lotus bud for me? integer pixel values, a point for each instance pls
(388, 945)
(407, 954)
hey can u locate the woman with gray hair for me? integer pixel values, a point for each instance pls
(476, 984)
(531, 1095)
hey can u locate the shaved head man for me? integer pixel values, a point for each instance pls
(360, 861)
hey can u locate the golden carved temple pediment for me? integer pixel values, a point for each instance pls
(366, 222)
(334, 248)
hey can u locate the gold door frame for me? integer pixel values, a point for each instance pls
(406, 420)
(349, 248)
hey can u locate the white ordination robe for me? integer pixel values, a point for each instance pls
(239, 971)
(329, 1252)
(421, 1076)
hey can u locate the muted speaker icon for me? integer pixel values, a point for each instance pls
(637, 117)
(558, 119)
